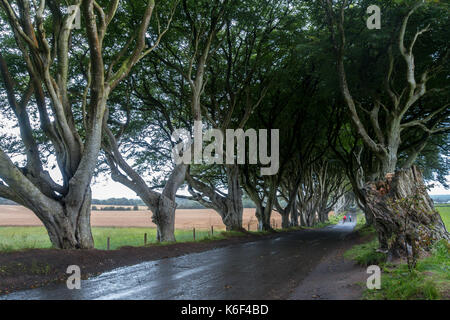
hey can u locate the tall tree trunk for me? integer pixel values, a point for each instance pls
(163, 206)
(164, 218)
(266, 226)
(263, 214)
(70, 228)
(232, 218)
(302, 218)
(404, 214)
(294, 214)
(259, 213)
(285, 223)
(323, 215)
(229, 206)
(164, 212)
(284, 213)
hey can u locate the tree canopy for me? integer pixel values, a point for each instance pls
(351, 104)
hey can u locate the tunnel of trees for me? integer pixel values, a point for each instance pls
(100, 87)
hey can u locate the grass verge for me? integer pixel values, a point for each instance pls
(444, 210)
(430, 280)
(21, 238)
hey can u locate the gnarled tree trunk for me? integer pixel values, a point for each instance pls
(63, 208)
(163, 206)
(263, 215)
(404, 214)
(235, 209)
(70, 227)
(164, 218)
(294, 214)
(229, 206)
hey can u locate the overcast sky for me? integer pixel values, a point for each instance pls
(106, 188)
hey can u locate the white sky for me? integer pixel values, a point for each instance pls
(106, 188)
(439, 189)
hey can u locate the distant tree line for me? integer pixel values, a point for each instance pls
(181, 203)
(115, 208)
(118, 202)
(441, 198)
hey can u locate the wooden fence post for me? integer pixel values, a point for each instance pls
(212, 231)
(194, 233)
(145, 239)
(108, 243)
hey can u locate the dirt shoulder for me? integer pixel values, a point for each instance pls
(38, 267)
(335, 278)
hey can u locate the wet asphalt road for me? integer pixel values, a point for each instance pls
(264, 269)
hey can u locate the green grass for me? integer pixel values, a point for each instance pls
(445, 214)
(19, 238)
(366, 254)
(363, 229)
(430, 280)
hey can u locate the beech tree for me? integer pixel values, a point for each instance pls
(235, 89)
(117, 134)
(183, 56)
(70, 121)
(407, 83)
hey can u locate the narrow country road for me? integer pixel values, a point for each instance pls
(264, 269)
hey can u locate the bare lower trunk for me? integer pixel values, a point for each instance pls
(294, 216)
(302, 219)
(234, 209)
(404, 215)
(309, 218)
(164, 215)
(233, 220)
(229, 206)
(263, 215)
(70, 228)
(285, 223)
(164, 218)
(323, 216)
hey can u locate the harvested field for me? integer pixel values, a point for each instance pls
(185, 218)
